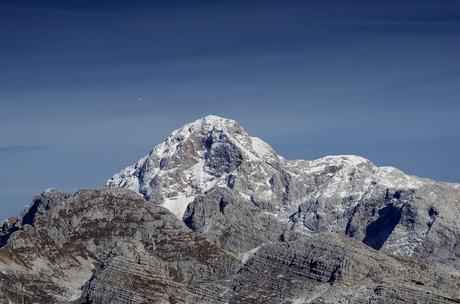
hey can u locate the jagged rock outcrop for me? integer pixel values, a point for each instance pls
(108, 246)
(222, 217)
(381, 206)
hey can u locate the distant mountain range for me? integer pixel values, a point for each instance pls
(213, 215)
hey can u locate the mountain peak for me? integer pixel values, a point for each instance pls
(193, 159)
(217, 120)
(217, 152)
(208, 123)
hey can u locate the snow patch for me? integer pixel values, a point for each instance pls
(79, 277)
(248, 254)
(261, 148)
(393, 178)
(271, 214)
(178, 205)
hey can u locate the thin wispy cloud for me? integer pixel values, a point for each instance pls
(424, 80)
(32, 11)
(15, 149)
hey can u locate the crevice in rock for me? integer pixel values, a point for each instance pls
(222, 205)
(334, 274)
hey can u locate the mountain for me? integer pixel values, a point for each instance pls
(110, 246)
(107, 246)
(213, 215)
(236, 191)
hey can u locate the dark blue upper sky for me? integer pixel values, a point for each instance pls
(88, 87)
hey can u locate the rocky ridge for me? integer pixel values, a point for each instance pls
(110, 246)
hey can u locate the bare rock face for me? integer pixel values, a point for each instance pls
(233, 224)
(107, 246)
(329, 268)
(380, 206)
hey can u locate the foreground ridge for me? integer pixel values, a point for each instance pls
(110, 246)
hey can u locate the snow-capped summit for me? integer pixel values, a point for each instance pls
(216, 151)
(191, 160)
(381, 206)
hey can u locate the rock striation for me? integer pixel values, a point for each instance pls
(329, 268)
(108, 246)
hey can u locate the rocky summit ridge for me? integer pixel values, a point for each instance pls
(213, 215)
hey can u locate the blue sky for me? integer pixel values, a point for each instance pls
(88, 87)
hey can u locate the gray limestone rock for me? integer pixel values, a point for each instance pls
(222, 217)
(329, 268)
(108, 246)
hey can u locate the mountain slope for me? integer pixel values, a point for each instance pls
(110, 246)
(107, 246)
(329, 268)
(381, 206)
